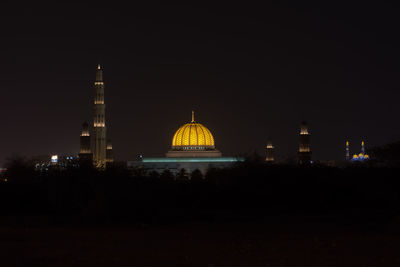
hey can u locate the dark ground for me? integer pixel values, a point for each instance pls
(249, 215)
(273, 243)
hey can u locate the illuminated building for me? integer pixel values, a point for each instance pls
(347, 156)
(361, 156)
(46, 162)
(109, 152)
(193, 140)
(85, 153)
(270, 152)
(304, 152)
(54, 159)
(99, 122)
(192, 148)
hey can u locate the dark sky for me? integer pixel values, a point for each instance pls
(248, 71)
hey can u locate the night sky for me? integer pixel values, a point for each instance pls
(249, 72)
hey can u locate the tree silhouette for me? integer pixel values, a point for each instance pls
(196, 175)
(182, 174)
(167, 175)
(20, 170)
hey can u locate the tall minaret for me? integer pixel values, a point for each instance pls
(347, 150)
(99, 122)
(304, 145)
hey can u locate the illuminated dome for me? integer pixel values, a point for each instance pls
(193, 136)
(193, 140)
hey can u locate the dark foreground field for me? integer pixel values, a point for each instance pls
(250, 215)
(303, 243)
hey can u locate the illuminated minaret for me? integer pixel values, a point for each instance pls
(99, 122)
(362, 148)
(270, 152)
(347, 150)
(304, 145)
(85, 153)
(109, 152)
(85, 139)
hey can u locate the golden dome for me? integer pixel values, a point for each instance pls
(193, 135)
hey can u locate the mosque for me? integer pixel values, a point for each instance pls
(362, 156)
(193, 147)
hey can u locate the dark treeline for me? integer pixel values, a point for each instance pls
(248, 191)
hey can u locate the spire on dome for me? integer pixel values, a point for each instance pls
(192, 116)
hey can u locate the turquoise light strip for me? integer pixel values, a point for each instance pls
(171, 160)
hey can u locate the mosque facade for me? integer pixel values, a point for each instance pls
(362, 156)
(192, 147)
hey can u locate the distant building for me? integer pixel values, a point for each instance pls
(193, 140)
(270, 152)
(192, 148)
(304, 153)
(347, 156)
(85, 153)
(109, 152)
(46, 162)
(99, 122)
(362, 156)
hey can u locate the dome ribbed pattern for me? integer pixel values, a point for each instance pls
(193, 136)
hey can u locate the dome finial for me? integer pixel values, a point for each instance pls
(192, 115)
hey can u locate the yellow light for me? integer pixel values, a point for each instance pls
(193, 134)
(304, 132)
(355, 156)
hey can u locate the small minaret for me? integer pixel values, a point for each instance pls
(99, 121)
(85, 139)
(85, 153)
(362, 148)
(109, 152)
(304, 152)
(347, 157)
(270, 152)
